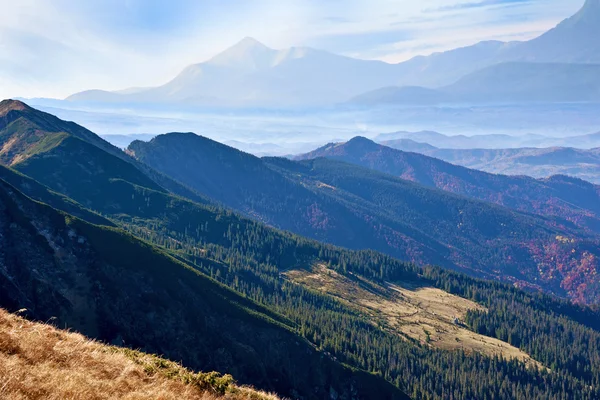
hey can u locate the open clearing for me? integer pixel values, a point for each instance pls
(426, 314)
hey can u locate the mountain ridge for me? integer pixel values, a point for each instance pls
(321, 201)
(250, 73)
(528, 161)
(308, 199)
(520, 193)
(28, 136)
(491, 141)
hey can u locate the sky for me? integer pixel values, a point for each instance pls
(54, 48)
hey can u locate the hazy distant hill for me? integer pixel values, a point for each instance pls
(581, 141)
(404, 95)
(574, 40)
(122, 141)
(535, 162)
(513, 82)
(486, 141)
(250, 73)
(537, 82)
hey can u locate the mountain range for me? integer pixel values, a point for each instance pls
(425, 139)
(557, 196)
(326, 200)
(571, 42)
(534, 162)
(412, 266)
(560, 65)
(141, 267)
(249, 73)
(356, 207)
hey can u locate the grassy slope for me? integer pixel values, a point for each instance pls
(26, 132)
(38, 361)
(39, 192)
(80, 170)
(414, 311)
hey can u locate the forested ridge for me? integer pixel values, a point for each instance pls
(113, 287)
(250, 258)
(360, 208)
(559, 196)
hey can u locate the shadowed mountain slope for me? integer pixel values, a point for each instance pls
(108, 285)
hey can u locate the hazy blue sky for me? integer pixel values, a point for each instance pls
(53, 48)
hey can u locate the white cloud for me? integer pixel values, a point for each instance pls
(53, 48)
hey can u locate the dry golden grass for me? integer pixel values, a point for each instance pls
(38, 361)
(421, 313)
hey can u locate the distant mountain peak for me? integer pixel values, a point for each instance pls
(250, 42)
(360, 141)
(12, 105)
(356, 145)
(179, 140)
(247, 52)
(246, 45)
(174, 136)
